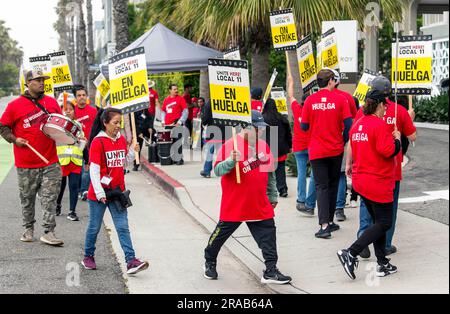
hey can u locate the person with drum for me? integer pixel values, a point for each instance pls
(84, 114)
(108, 156)
(71, 159)
(174, 112)
(20, 124)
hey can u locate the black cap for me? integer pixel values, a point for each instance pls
(376, 95)
(258, 119)
(257, 93)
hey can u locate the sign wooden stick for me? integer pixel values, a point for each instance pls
(235, 145)
(410, 97)
(37, 154)
(397, 31)
(133, 129)
(288, 68)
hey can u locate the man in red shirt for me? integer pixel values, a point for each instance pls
(20, 124)
(154, 103)
(252, 201)
(85, 114)
(328, 117)
(191, 106)
(174, 112)
(257, 94)
(405, 126)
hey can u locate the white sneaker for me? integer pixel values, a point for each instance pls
(51, 239)
(27, 236)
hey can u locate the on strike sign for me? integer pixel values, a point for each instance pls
(415, 58)
(43, 63)
(128, 81)
(62, 80)
(307, 64)
(102, 85)
(230, 91)
(284, 32)
(279, 96)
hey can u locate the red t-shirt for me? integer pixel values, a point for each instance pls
(25, 120)
(247, 201)
(70, 168)
(173, 107)
(405, 126)
(153, 95)
(373, 167)
(111, 156)
(86, 117)
(257, 105)
(300, 139)
(325, 112)
(350, 100)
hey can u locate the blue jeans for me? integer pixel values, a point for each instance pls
(342, 191)
(120, 219)
(365, 221)
(85, 180)
(210, 148)
(74, 182)
(310, 198)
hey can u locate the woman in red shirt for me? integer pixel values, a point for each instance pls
(108, 155)
(371, 164)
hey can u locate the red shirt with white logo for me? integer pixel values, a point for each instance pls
(373, 167)
(257, 105)
(25, 120)
(350, 100)
(325, 112)
(173, 107)
(247, 201)
(300, 139)
(86, 117)
(153, 95)
(405, 126)
(111, 156)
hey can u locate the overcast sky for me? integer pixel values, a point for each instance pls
(31, 24)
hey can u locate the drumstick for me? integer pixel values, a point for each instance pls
(37, 153)
(235, 145)
(145, 140)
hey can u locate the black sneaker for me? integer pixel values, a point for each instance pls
(365, 253)
(274, 276)
(340, 216)
(84, 196)
(58, 210)
(136, 168)
(391, 250)
(349, 263)
(334, 227)
(386, 270)
(284, 193)
(324, 233)
(205, 175)
(305, 211)
(72, 216)
(210, 271)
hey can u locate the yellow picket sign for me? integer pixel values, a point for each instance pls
(413, 71)
(307, 64)
(329, 54)
(129, 88)
(43, 63)
(22, 81)
(364, 86)
(232, 101)
(284, 31)
(62, 79)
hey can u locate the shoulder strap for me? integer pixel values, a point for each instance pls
(39, 105)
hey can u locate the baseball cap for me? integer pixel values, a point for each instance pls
(258, 119)
(382, 84)
(336, 75)
(376, 95)
(34, 75)
(256, 92)
(151, 84)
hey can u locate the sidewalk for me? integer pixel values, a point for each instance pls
(423, 256)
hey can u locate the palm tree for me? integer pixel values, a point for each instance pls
(120, 16)
(90, 47)
(82, 53)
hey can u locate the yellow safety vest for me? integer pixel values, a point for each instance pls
(69, 153)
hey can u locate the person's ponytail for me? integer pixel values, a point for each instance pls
(97, 126)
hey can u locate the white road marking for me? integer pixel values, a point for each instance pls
(431, 196)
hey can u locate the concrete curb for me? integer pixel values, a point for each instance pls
(180, 194)
(442, 127)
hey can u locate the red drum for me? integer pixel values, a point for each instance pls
(164, 136)
(62, 129)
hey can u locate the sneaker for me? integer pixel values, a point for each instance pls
(353, 204)
(349, 263)
(210, 271)
(305, 211)
(135, 266)
(51, 239)
(340, 216)
(58, 210)
(334, 227)
(284, 194)
(386, 270)
(27, 236)
(136, 168)
(84, 196)
(365, 253)
(391, 250)
(180, 163)
(205, 175)
(323, 233)
(274, 276)
(72, 216)
(89, 263)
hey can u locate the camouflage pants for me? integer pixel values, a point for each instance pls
(46, 181)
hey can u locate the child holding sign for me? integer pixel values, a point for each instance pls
(252, 201)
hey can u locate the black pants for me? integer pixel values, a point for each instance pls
(141, 143)
(280, 173)
(381, 214)
(264, 233)
(327, 172)
(354, 195)
(74, 183)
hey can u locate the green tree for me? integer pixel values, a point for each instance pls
(10, 60)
